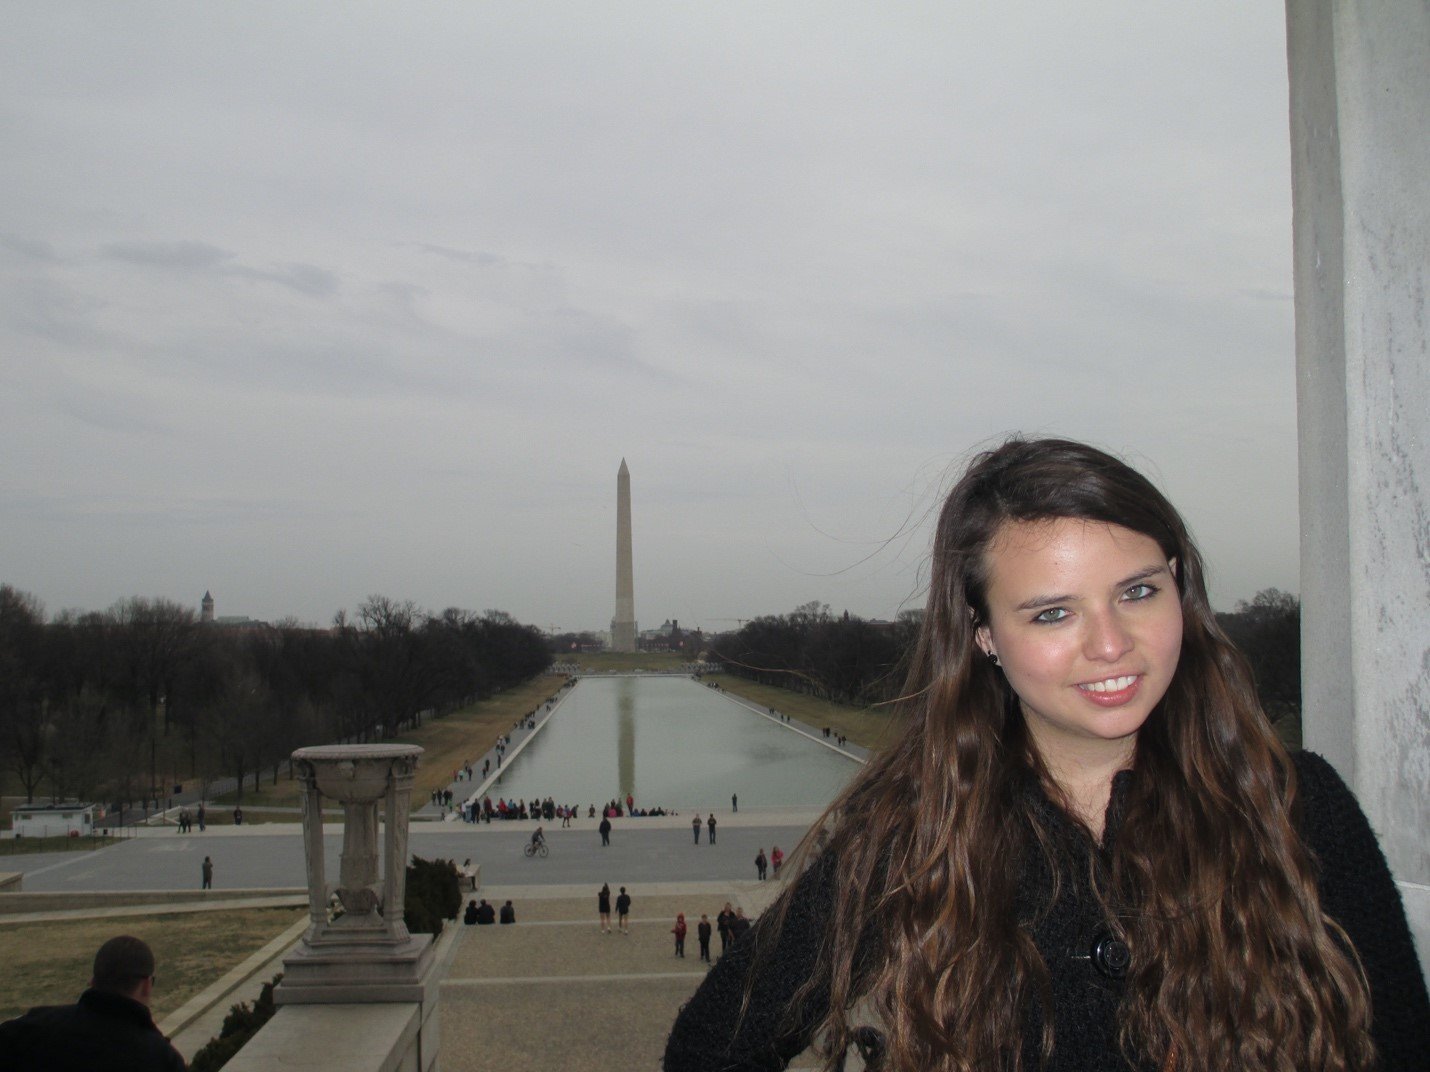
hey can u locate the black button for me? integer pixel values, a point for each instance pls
(1110, 955)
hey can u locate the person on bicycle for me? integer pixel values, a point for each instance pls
(538, 839)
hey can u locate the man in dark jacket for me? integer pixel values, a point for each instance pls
(108, 1028)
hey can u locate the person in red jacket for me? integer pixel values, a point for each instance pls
(679, 930)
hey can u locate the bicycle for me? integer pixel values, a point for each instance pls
(538, 849)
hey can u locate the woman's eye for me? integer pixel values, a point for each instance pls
(1052, 614)
(1140, 591)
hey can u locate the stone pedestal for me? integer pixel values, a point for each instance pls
(365, 954)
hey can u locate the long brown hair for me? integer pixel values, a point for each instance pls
(1207, 868)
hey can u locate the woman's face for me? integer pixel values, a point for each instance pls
(1087, 625)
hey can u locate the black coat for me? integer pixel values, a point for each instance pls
(102, 1032)
(1356, 890)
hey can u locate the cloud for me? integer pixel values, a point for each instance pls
(178, 255)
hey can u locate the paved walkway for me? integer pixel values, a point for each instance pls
(553, 992)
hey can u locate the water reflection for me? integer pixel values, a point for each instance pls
(626, 735)
(671, 743)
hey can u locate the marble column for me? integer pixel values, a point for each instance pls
(1360, 151)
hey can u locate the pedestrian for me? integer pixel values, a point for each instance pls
(711, 824)
(201, 816)
(207, 869)
(237, 816)
(605, 829)
(109, 1027)
(1113, 860)
(695, 827)
(630, 803)
(603, 907)
(776, 858)
(508, 913)
(734, 802)
(623, 910)
(761, 864)
(679, 930)
(722, 924)
(702, 932)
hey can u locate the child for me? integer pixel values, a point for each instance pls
(702, 931)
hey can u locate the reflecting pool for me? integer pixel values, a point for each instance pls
(671, 743)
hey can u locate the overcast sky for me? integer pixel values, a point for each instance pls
(305, 302)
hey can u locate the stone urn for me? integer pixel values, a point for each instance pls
(362, 952)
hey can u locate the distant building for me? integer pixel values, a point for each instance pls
(228, 621)
(52, 820)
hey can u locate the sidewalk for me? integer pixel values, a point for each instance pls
(553, 992)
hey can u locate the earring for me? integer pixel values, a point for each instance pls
(993, 657)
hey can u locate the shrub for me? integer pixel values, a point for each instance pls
(433, 895)
(240, 1025)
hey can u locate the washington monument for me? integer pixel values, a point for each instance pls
(623, 625)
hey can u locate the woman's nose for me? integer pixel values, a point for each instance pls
(1107, 638)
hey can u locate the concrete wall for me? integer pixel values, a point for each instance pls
(1360, 142)
(343, 1038)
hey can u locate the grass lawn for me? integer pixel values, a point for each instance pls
(872, 727)
(634, 660)
(449, 741)
(49, 963)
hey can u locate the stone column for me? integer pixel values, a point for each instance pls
(1360, 149)
(365, 954)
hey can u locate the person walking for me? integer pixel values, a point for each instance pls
(734, 802)
(695, 827)
(605, 829)
(679, 930)
(776, 858)
(710, 822)
(761, 864)
(207, 869)
(702, 932)
(623, 911)
(603, 907)
(200, 816)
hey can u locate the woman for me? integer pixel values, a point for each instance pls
(603, 907)
(1088, 849)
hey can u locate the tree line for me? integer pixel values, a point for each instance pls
(117, 704)
(850, 660)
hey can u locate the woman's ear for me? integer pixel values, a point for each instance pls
(984, 639)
